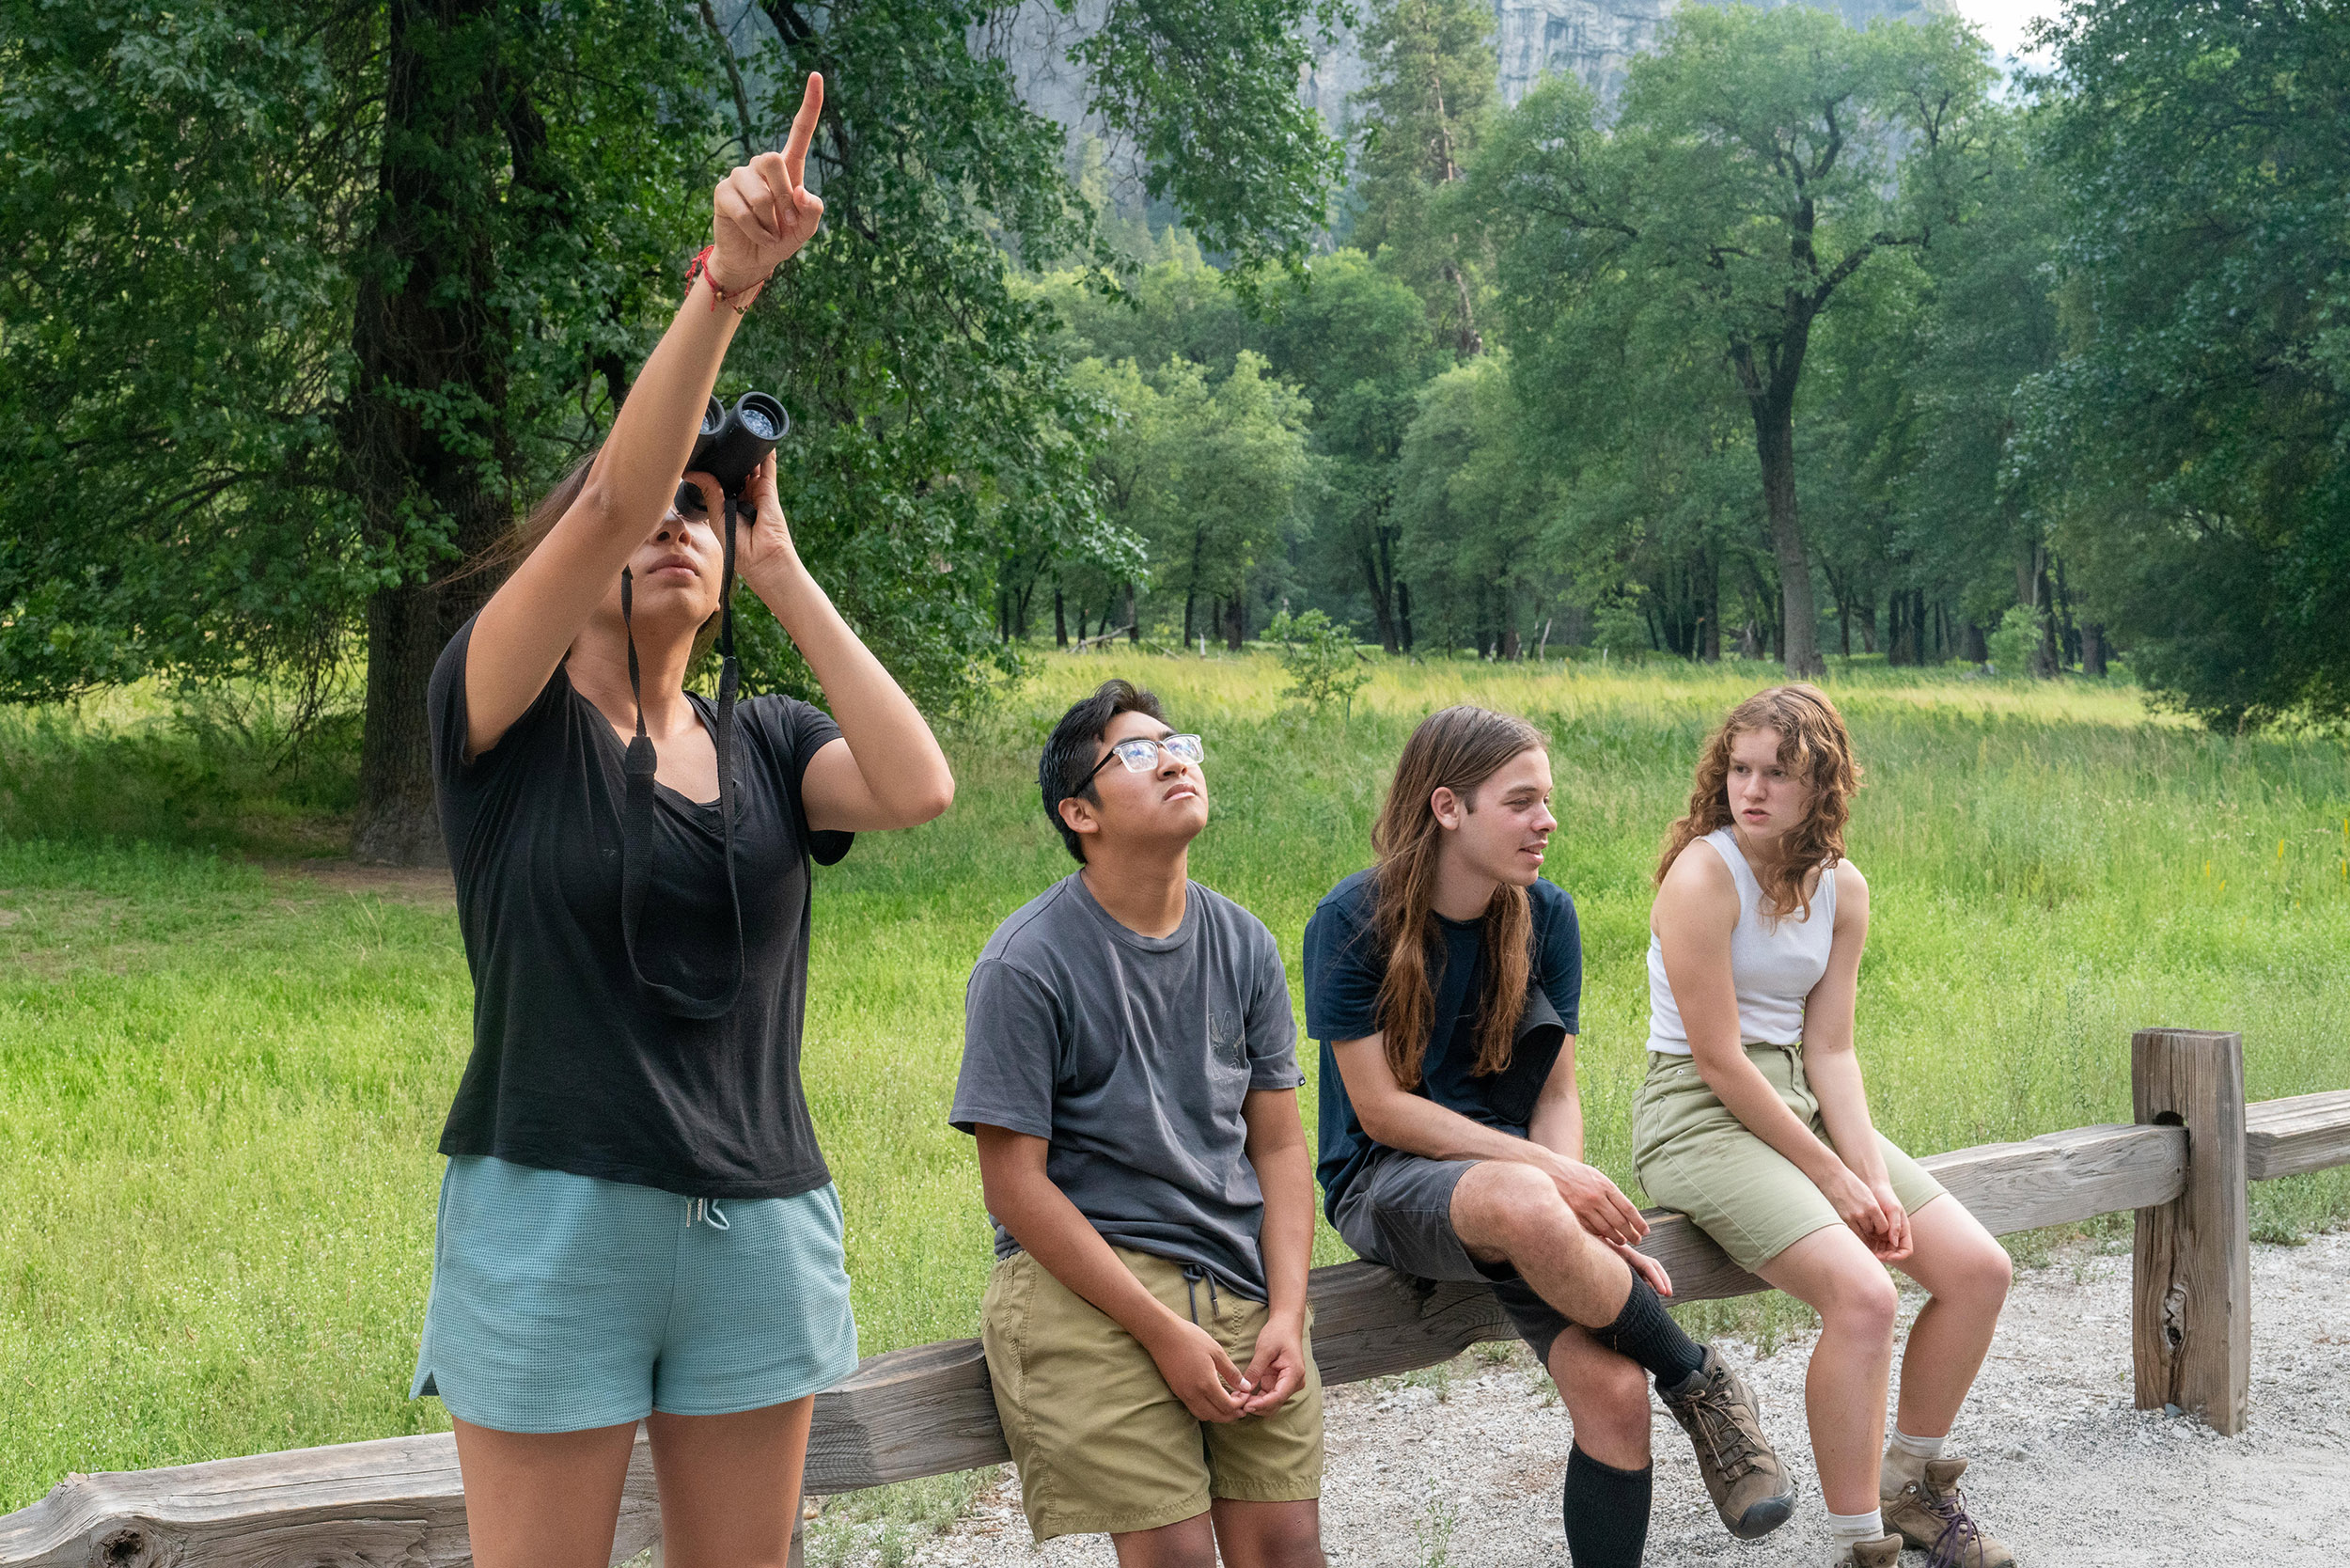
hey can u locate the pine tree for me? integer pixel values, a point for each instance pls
(1432, 89)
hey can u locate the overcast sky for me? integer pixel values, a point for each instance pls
(2003, 22)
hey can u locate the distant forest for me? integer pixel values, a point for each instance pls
(1811, 340)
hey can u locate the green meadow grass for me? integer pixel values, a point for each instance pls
(221, 1079)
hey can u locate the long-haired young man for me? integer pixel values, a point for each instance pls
(1444, 983)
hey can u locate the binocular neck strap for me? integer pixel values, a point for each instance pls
(639, 769)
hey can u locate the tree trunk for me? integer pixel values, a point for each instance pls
(1775, 447)
(1404, 612)
(1466, 343)
(2093, 648)
(1710, 605)
(2046, 660)
(1978, 652)
(1380, 587)
(1134, 621)
(1236, 622)
(424, 334)
(2068, 634)
(1060, 621)
(1191, 602)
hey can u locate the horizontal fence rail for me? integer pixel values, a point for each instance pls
(2293, 1137)
(928, 1410)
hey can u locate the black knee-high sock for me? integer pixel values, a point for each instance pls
(1647, 1333)
(1606, 1511)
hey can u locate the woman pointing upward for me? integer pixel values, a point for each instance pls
(636, 1223)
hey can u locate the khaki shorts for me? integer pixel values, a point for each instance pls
(1103, 1446)
(1695, 1157)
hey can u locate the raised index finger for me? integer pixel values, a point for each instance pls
(804, 131)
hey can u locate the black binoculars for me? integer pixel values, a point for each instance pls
(732, 443)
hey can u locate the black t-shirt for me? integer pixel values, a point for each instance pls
(1344, 967)
(573, 1068)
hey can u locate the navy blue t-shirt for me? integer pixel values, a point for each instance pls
(1344, 967)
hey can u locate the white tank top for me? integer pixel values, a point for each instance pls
(1773, 963)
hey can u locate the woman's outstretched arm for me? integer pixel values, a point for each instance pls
(760, 214)
(885, 771)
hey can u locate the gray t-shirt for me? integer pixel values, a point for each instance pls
(1131, 1055)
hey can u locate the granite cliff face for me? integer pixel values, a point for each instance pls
(1594, 39)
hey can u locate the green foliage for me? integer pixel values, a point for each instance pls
(178, 182)
(1179, 308)
(1208, 92)
(2192, 448)
(235, 768)
(1349, 338)
(1470, 508)
(1429, 95)
(196, 207)
(1319, 658)
(1212, 474)
(1757, 163)
(1964, 508)
(1617, 626)
(2016, 646)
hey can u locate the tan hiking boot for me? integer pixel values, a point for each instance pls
(1932, 1517)
(1742, 1475)
(1883, 1553)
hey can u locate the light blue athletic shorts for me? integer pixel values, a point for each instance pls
(562, 1302)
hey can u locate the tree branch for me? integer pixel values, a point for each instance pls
(734, 75)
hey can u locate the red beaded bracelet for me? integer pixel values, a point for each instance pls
(699, 267)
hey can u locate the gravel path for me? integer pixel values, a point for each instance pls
(1463, 1468)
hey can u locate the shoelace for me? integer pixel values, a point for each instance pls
(1959, 1531)
(1725, 1441)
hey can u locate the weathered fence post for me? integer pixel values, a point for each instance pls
(2191, 1305)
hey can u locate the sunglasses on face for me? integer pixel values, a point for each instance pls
(1142, 752)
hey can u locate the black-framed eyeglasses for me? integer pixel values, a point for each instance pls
(1142, 752)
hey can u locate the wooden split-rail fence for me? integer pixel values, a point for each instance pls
(2182, 1165)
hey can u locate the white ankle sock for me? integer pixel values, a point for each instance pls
(1906, 1460)
(1847, 1530)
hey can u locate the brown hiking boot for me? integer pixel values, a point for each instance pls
(1883, 1553)
(1932, 1517)
(1742, 1475)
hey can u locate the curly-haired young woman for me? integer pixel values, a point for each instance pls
(1753, 1121)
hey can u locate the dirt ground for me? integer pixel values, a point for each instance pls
(408, 883)
(1464, 1467)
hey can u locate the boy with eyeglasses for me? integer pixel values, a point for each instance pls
(1130, 1071)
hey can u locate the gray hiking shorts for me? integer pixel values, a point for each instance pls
(1397, 1211)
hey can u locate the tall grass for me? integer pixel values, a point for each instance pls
(221, 1082)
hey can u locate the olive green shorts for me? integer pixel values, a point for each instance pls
(1695, 1157)
(1103, 1444)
